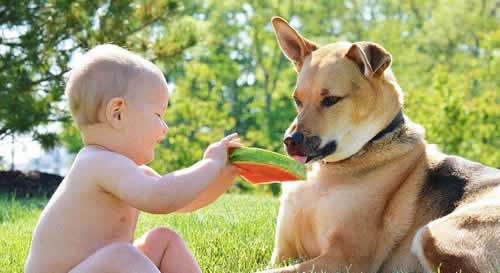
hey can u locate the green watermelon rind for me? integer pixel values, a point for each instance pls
(264, 157)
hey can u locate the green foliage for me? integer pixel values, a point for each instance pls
(460, 122)
(197, 116)
(39, 38)
(70, 137)
(230, 75)
(449, 77)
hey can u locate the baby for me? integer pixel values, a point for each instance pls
(118, 100)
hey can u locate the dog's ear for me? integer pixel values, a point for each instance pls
(294, 46)
(371, 58)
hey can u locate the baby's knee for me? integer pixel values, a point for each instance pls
(121, 251)
(110, 258)
(166, 235)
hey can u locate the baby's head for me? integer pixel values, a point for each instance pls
(117, 100)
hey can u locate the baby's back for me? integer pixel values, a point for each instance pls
(79, 219)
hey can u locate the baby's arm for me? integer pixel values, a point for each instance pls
(226, 177)
(224, 181)
(149, 171)
(122, 177)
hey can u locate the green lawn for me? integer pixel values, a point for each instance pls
(234, 234)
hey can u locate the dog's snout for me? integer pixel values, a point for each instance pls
(313, 142)
(294, 139)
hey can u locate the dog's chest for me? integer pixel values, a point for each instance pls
(315, 216)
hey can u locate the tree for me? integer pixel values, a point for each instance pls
(230, 75)
(39, 39)
(254, 80)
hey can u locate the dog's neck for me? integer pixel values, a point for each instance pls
(398, 120)
(399, 138)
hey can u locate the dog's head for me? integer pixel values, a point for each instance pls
(345, 95)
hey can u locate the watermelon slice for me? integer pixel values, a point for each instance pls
(261, 166)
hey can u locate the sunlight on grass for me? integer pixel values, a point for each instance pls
(234, 234)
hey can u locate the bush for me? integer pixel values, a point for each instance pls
(29, 184)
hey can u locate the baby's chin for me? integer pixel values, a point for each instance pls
(147, 160)
(144, 158)
(150, 157)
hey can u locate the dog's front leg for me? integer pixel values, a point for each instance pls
(284, 245)
(327, 263)
(283, 249)
(282, 254)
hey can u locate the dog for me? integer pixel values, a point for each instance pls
(377, 198)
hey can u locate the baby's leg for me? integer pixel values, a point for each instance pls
(167, 251)
(116, 257)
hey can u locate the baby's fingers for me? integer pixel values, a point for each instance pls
(234, 144)
(230, 137)
(232, 170)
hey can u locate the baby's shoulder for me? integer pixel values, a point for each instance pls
(100, 163)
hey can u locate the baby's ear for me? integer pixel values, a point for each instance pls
(114, 112)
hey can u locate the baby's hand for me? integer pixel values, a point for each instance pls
(219, 150)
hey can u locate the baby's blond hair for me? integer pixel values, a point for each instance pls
(104, 73)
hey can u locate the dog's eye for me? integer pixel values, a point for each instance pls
(329, 101)
(297, 102)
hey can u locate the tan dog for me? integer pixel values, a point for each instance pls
(378, 197)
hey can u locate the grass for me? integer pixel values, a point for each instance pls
(234, 234)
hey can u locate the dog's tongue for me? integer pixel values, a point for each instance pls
(301, 159)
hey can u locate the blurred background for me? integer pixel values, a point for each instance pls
(227, 73)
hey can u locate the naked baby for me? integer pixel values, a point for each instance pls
(118, 100)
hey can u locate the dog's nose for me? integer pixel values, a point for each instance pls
(295, 139)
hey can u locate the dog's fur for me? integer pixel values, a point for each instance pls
(378, 198)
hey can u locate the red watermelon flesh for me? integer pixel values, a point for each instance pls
(261, 166)
(261, 173)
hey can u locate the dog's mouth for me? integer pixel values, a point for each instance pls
(327, 150)
(306, 153)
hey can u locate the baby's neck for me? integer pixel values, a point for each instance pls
(100, 136)
(97, 146)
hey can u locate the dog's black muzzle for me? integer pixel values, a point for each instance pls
(296, 144)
